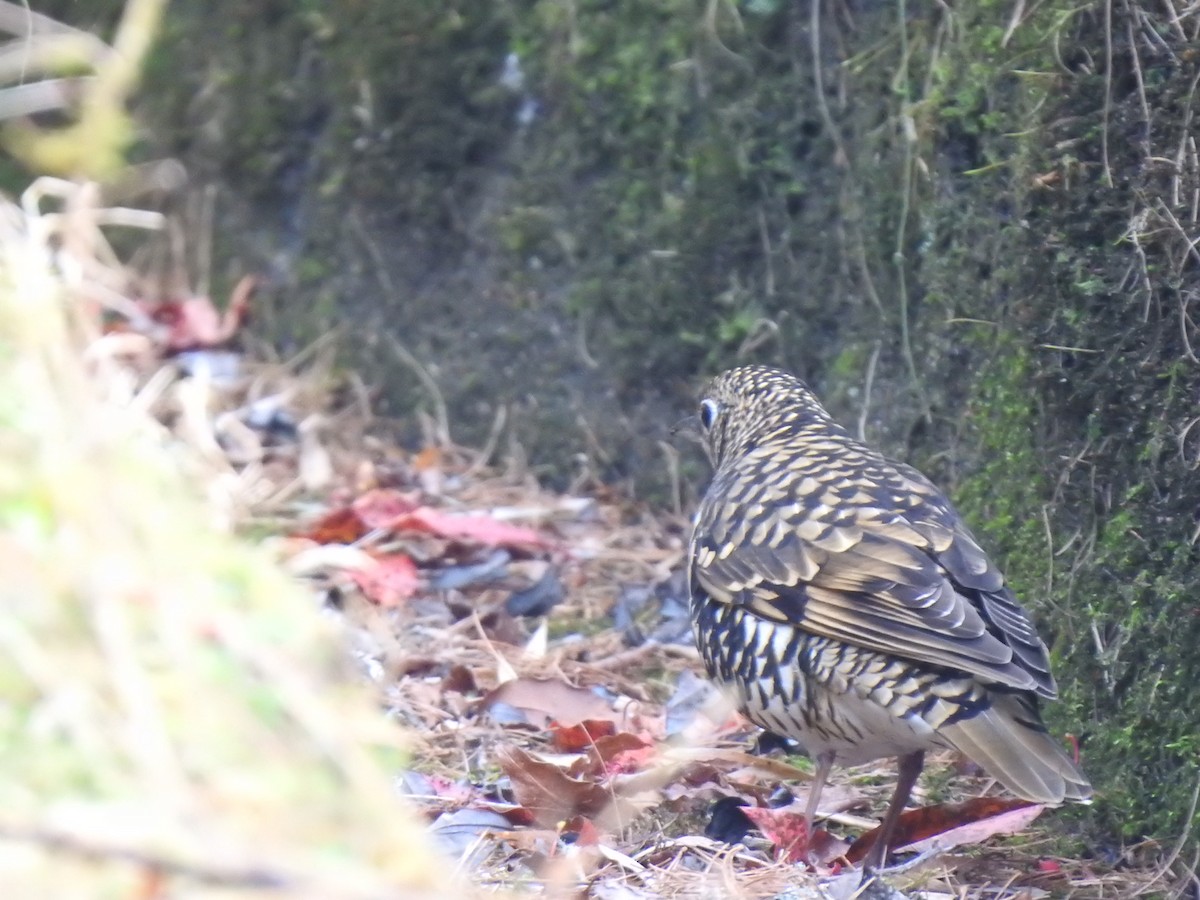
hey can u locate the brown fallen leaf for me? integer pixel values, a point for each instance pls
(548, 792)
(774, 767)
(948, 825)
(338, 526)
(543, 701)
(1011, 822)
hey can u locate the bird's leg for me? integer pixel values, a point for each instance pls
(910, 768)
(824, 763)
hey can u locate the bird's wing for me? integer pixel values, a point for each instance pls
(904, 578)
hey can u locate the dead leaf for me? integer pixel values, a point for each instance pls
(1011, 822)
(785, 828)
(609, 751)
(460, 679)
(606, 752)
(585, 831)
(631, 759)
(544, 701)
(423, 788)
(580, 736)
(949, 825)
(459, 832)
(195, 322)
(390, 581)
(338, 526)
(380, 507)
(774, 767)
(547, 791)
(480, 529)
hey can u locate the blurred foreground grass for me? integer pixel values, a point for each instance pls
(176, 718)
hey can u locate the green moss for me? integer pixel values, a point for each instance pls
(1066, 453)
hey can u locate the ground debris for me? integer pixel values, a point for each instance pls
(538, 648)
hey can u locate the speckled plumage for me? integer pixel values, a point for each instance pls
(845, 603)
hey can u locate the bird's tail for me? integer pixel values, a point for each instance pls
(1011, 744)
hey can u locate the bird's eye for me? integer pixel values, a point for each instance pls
(708, 413)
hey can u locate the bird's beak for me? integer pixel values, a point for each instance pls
(688, 425)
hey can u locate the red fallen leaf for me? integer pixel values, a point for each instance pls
(195, 322)
(609, 748)
(518, 815)
(547, 791)
(610, 755)
(585, 831)
(338, 526)
(479, 528)
(380, 507)
(951, 824)
(392, 580)
(784, 828)
(578, 737)
(632, 760)
(451, 791)
(1049, 866)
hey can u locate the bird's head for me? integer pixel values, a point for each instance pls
(743, 406)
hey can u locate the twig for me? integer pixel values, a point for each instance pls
(868, 382)
(764, 234)
(1013, 21)
(1141, 84)
(441, 416)
(671, 456)
(841, 158)
(1177, 849)
(898, 256)
(1108, 76)
(204, 242)
(489, 447)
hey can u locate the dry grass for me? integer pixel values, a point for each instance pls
(178, 717)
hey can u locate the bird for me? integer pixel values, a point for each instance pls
(842, 601)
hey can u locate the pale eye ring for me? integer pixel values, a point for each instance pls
(708, 413)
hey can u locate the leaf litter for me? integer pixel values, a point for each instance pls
(537, 648)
